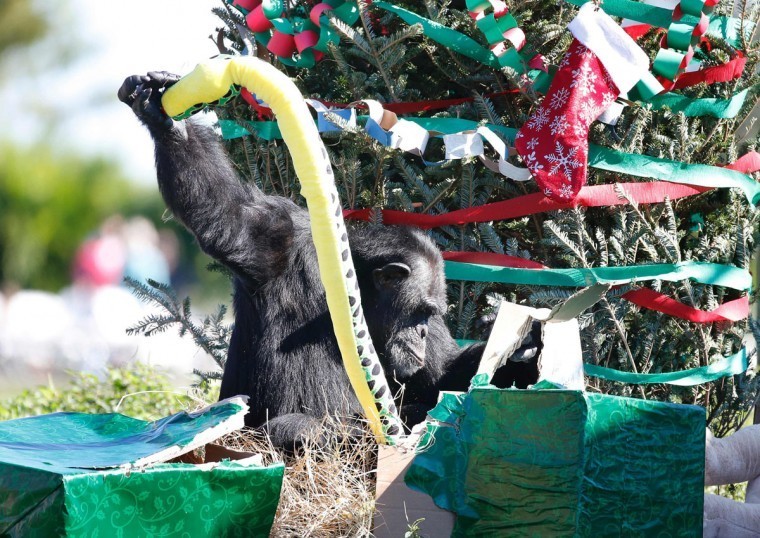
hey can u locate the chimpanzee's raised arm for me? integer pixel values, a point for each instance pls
(235, 223)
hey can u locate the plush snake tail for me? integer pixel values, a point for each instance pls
(211, 81)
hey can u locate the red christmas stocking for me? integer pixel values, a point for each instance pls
(602, 63)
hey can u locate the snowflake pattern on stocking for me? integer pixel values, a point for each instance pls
(539, 119)
(559, 98)
(558, 126)
(587, 113)
(584, 79)
(566, 192)
(531, 160)
(566, 162)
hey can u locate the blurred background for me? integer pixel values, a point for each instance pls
(79, 206)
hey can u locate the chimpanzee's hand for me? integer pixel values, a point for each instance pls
(143, 94)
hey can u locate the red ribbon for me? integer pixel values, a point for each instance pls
(747, 164)
(492, 258)
(730, 70)
(589, 196)
(408, 107)
(735, 310)
(264, 113)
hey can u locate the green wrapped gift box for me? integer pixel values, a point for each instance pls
(563, 463)
(75, 474)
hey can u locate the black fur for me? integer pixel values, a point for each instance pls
(283, 352)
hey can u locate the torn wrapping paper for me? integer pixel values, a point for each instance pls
(75, 474)
(564, 463)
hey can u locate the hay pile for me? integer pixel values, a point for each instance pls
(328, 489)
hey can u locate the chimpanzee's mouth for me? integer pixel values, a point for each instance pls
(417, 352)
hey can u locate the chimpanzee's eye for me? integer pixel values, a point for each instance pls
(429, 309)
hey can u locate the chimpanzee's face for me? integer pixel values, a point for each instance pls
(406, 294)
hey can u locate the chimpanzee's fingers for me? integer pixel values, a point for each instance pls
(140, 100)
(147, 107)
(162, 79)
(127, 93)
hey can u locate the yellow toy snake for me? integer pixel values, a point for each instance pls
(215, 79)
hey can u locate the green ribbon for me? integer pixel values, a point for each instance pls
(268, 130)
(717, 108)
(704, 273)
(723, 367)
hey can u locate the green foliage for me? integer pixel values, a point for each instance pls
(49, 203)
(137, 390)
(382, 58)
(20, 24)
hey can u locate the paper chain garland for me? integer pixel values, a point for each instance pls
(212, 79)
(499, 28)
(299, 41)
(690, 23)
(464, 138)
(726, 28)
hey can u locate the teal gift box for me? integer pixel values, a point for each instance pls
(76, 474)
(563, 463)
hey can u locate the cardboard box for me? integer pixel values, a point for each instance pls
(74, 474)
(397, 505)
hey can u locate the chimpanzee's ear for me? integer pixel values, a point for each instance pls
(390, 275)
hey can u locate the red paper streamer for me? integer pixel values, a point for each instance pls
(492, 258)
(522, 206)
(264, 113)
(747, 164)
(637, 30)
(735, 310)
(730, 70)
(406, 107)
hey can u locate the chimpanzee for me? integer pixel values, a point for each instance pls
(283, 353)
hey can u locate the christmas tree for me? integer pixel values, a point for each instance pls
(420, 106)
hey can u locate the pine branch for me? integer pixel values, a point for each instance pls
(212, 336)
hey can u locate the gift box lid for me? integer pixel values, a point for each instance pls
(66, 443)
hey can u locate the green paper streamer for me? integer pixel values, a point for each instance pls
(717, 108)
(723, 367)
(637, 11)
(704, 273)
(268, 130)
